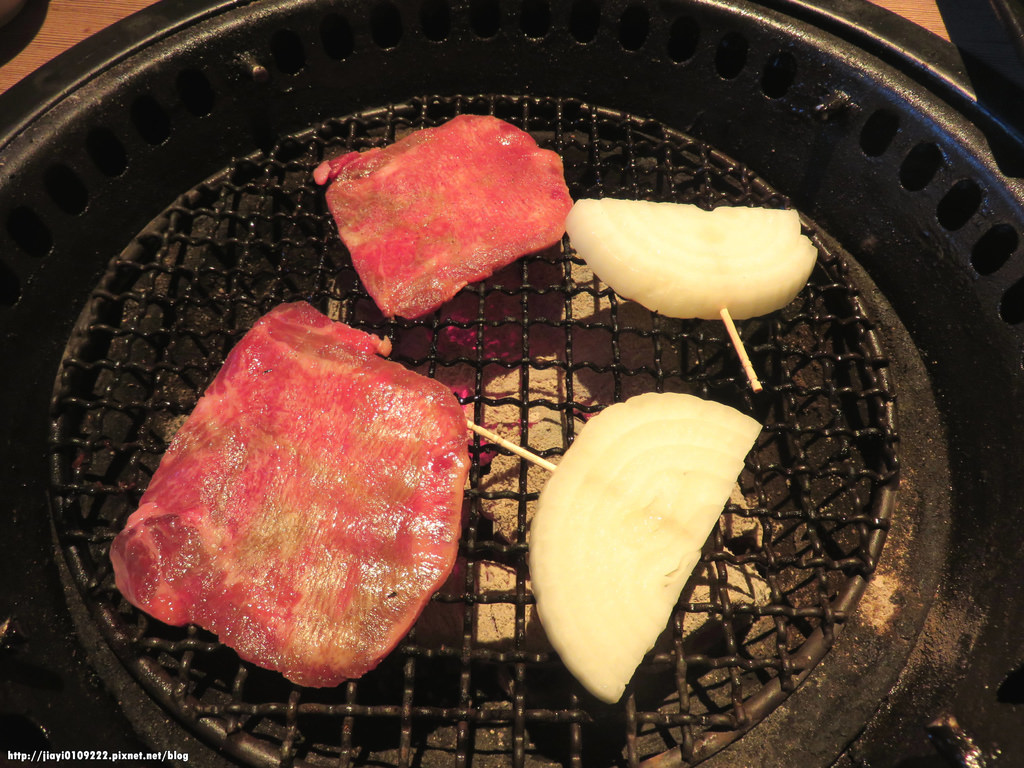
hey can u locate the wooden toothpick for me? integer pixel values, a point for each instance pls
(519, 451)
(748, 367)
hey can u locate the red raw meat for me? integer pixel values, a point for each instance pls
(444, 207)
(308, 507)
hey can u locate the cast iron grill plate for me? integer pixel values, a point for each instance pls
(534, 350)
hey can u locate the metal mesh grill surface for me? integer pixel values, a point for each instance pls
(532, 352)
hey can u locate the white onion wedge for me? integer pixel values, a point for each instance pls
(620, 524)
(684, 261)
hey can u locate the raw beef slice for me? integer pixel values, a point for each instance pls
(444, 207)
(308, 507)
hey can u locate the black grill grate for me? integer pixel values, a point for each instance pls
(535, 350)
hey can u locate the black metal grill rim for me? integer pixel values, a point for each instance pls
(100, 356)
(931, 61)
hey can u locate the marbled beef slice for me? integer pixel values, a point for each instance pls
(308, 507)
(444, 207)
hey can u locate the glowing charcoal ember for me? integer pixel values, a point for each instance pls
(308, 507)
(620, 524)
(444, 207)
(684, 261)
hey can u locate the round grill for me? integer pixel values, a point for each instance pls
(534, 351)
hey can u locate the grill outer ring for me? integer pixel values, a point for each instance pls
(979, 438)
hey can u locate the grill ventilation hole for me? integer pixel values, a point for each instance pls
(1011, 308)
(634, 25)
(959, 204)
(731, 56)
(778, 75)
(878, 132)
(994, 249)
(485, 18)
(29, 231)
(195, 92)
(106, 152)
(919, 167)
(21, 733)
(336, 36)
(435, 20)
(10, 286)
(289, 56)
(535, 19)
(386, 25)
(683, 36)
(66, 189)
(584, 20)
(1011, 690)
(150, 120)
